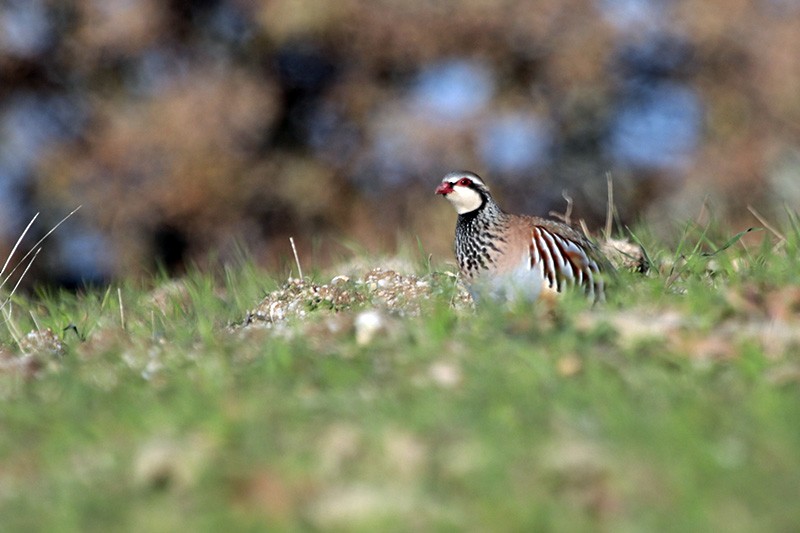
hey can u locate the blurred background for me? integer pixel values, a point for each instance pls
(192, 127)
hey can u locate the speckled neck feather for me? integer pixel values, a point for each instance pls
(478, 234)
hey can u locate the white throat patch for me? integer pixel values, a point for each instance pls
(464, 199)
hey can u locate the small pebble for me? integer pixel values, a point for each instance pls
(367, 325)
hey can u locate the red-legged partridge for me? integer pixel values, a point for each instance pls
(507, 256)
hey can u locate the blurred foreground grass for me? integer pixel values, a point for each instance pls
(673, 407)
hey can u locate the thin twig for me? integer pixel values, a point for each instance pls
(121, 309)
(568, 212)
(13, 330)
(296, 258)
(585, 229)
(35, 320)
(11, 294)
(610, 205)
(14, 249)
(566, 216)
(35, 246)
(703, 209)
(781, 237)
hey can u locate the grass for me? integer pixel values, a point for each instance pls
(675, 406)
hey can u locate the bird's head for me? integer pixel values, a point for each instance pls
(465, 190)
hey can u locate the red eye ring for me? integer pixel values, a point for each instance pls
(465, 182)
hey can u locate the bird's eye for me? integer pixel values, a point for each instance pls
(465, 182)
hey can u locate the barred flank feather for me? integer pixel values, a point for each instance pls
(564, 263)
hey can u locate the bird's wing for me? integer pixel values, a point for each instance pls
(565, 255)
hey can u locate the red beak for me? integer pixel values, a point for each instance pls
(444, 188)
